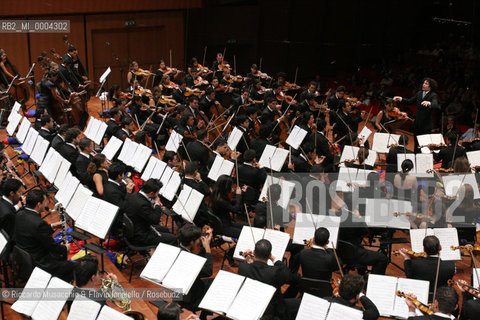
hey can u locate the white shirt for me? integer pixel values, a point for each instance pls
(85, 155)
(113, 181)
(72, 145)
(10, 201)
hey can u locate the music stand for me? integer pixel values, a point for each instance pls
(104, 98)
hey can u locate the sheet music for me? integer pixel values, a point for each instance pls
(312, 307)
(474, 158)
(141, 157)
(15, 110)
(130, 153)
(147, 173)
(416, 239)
(160, 262)
(286, 186)
(66, 191)
(220, 167)
(448, 237)
(424, 162)
(426, 139)
(279, 241)
(180, 206)
(165, 178)
(50, 309)
(125, 148)
(245, 241)
(23, 129)
(112, 147)
(47, 166)
(171, 187)
(251, 301)
(3, 242)
(83, 309)
(98, 137)
(222, 292)
(365, 133)
(475, 272)
(305, 227)
(174, 141)
(159, 169)
(340, 312)
(451, 183)
(266, 156)
(381, 290)
(346, 175)
(402, 157)
(13, 121)
(88, 130)
(296, 137)
(417, 287)
(278, 159)
(184, 271)
(38, 280)
(62, 171)
(350, 153)
(234, 138)
(78, 201)
(377, 212)
(29, 143)
(39, 150)
(381, 141)
(108, 313)
(96, 217)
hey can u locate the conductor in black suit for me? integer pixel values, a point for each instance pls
(34, 235)
(143, 208)
(425, 100)
(319, 262)
(12, 190)
(445, 304)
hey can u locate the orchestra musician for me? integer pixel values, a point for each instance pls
(85, 145)
(394, 151)
(334, 101)
(59, 140)
(444, 306)
(451, 152)
(69, 150)
(46, 127)
(12, 192)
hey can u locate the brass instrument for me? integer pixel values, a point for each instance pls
(115, 292)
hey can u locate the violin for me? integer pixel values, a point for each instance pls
(143, 92)
(411, 214)
(414, 255)
(475, 249)
(308, 243)
(168, 101)
(283, 97)
(141, 72)
(336, 287)
(290, 86)
(190, 92)
(472, 290)
(345, 161)
(422, 307)
(222, 66)
(200, 82)
(434, 146)
(440, 170)
(262, 75)
(125, 95)
(398, 115)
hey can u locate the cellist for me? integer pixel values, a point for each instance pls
(48, 93)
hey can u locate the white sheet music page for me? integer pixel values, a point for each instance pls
(268, 181)
(417, 287)
(102, 127)
(222, 292)
(346, 176)
(112, 147)
(474, 158)
(131, 152)
(38, 280)
(365, 133)
(88, 131)
(296, 137)
(266, 156)
(141, 157)
(48, 308)
(65, 194)
(180, 206)
(381, 141)
(13, 122)
(234, 138)
(23, 129)
(3, 242)
(123, 153)
(348, 153)
(15, 110)
(194, 201)
(172, 186)
(251, 301)
(173, 141)
(304, 227)
(312, 307)
(29, 143)
(245, 241)
(88, 215)
(103, 219)
(451, 184)
(46, 167)
(404, 156)
(108, 313)
(93, 133)
(160, 262)
(159, 169)
(476, 273)
(62, 171)
(381, 290)
(278, 159)
(448, 237)
(78, 201)
(167, 174)
(377, 212)
(184, 271)
(83, 309)
(340, 312)
(286, 186)
(214, 172)
(416, 239)
(147, 173)
(424, 163)
(39, 150)
(279, 241)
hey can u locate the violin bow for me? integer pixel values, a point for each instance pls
(234, 65)
(260, 64)
(436, 279)
(170, 52)
(474, 265)
(474, 128)
(276, 125)
(296, 73)
(454, 151)
(186, 151)
(204, 55)
(338, 260)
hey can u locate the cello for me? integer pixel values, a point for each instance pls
(21, 90)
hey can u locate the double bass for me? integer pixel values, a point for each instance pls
(21, 91)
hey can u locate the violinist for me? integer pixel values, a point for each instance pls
(305, 159)
(344, 122)
(253, 75)
(179, 94)
(257, 92)
(359, 163)
(311, 90)
(251, 175)
(307, 104)
(113, 123)
(243, 125)
(200, 152)
(444, 306)
(277, 94)
(448, 154)
(451, 126)
(59, 140)
(333, 102)
(405, 184)
(323, 145)
(319, 262)
(243, 101)
(187, 129)
(464, 216)
(220, 148)
(132, 73)
(394, 151)
(219, 64)
(426, 268)
(5, 75)
(126, 129)
(383, 116)
(349, 291)
(164, 70)
(470, 306)
(271, 111)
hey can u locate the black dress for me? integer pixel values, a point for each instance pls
(104, 176)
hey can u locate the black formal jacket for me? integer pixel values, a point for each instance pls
(323, 149)
(426, 269)
(392, 157)
(449, 154)
(342, 127)
(71, 154)
(81, 165)
(276, 276)
(7, 217)
(112, 128)
(142, 213)
(57, 142)
(199, 153)
(370, 311)
(318, 263)
(179, 96)
(34, 235)
(113, 193)
(470, 307)
(46, 134)
(423, 116)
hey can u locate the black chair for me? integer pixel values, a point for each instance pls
(346, 252)
(143, 250)
(318, 288)
(22, 264)
(218, 238)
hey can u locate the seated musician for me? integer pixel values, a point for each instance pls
(334, 101)
(59, 140)
(193, 179)
(344, 122)
(251, 175)
(207, 102)
(261, 141)
(271, 111)
(133, 74)
(444, 306)
(34, 235)
(426, 268)
(69, 150)
(322, 145)
(220, 148)
(83, 160)
(359, 162)
(172, 161)
(450, 126)
(126, 130)
(179, 94)
(197, 241)
(319, 262)
(465, 215)
(349, 291)
(193, 106)
(401, 148)
(219, 63)
(307, 104)
(383, 116)
(243, 125)
(12, 191)
(113, 123)
(256, 267)
(470, 306)
(311, 90)
(98, 174)
(305, 159)
(276, 93)
(46, 129)
(200, 152)
(257, 92)
(262, 209)
(451, 152)
(66, 74)
(48, 92)
(146, 216)
(188, 130)
(405, 185)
